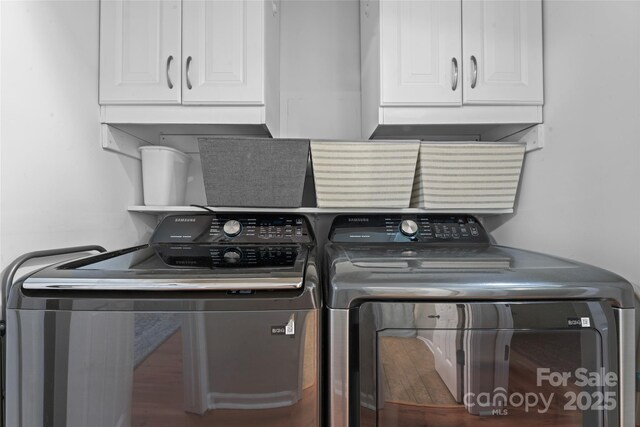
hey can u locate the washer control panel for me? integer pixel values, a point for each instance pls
(433, 228)
(219, 256)
(236, 228)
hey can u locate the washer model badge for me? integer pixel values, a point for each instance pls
(288, 329)
(579, 322)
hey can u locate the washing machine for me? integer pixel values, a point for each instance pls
(430, 323)
(215, 322)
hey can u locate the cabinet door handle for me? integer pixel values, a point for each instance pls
(169, 82)
(474, 72)
(454, 74)
(187, 73)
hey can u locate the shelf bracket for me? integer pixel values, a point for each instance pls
(113, 139)
(533, 136)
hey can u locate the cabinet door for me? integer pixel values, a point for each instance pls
(140, 51)
(505, 39)
(420, 46)
(223, 51)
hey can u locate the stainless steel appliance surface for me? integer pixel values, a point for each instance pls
(431, 323)
(215, 322)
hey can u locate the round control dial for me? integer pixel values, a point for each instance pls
(409, 228)
(232, 256)
(232, 228)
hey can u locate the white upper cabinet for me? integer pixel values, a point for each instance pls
(223, 49)
(421, 52)
(140, 52)
(503, 52)
(190, 62)
(450, 62)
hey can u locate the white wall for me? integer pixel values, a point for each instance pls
(580, 195)
(320, 69)
(58, 187)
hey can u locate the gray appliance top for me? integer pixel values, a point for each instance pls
(372, 258)
(229, 258)
(179, 267)
(196, 252)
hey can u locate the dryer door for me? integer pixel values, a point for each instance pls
(443, 364)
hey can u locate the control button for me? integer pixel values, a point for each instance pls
(409, 227)
(232, 256)
(232, 228)
(474, 231)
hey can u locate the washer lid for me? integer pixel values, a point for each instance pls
(167, 267)
(469, 257)
(409, 272)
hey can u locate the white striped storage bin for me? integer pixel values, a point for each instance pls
(467, 176)
(364, 174)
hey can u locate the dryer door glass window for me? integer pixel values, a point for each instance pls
(456, 374)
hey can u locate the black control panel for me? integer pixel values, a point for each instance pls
(215, 256)
(262, 229)
(434, 228)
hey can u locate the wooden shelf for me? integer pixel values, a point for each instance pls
(163, 210)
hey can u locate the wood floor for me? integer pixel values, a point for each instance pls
(409, 373)
(158, 397)
(398, 415)
(415, 395)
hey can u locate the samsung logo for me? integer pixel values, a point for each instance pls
(358, 219)
(184, 220)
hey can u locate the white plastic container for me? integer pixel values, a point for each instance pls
(164, 175)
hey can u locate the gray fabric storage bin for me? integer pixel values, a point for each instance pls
(254, 172)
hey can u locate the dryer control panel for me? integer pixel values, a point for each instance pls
(434, 228)
(258, 229)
